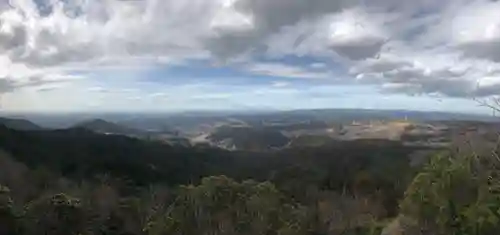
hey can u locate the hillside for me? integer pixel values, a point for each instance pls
(248, 138)
(112, 179)
(19, 124)
(310, 141)
(105, 127)
(92, 153)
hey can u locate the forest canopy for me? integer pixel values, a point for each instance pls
(79, 182)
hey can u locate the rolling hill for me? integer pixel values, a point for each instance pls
(105, 127)
(20, 124)
(248, 138)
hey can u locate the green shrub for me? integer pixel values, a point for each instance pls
(9, 219)
(220, 205)
(59, 214)
(456, 195)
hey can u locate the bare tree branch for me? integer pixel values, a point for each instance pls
(492, 103)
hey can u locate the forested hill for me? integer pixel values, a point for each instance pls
(105, 127)
(247, 138)
(78, 152)
(102, 177)
(19, 124)
(81, 154)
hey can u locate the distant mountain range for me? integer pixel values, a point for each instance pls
(245, 131)
(288, 119)
(374, 114)
(196, 121)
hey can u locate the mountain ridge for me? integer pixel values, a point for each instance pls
(19, 124)
(105, 127)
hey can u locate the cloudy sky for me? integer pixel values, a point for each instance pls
(171, 55)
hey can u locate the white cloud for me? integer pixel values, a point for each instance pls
(450, 47)
(352, 34)
(77, 33)
(158, 95)
(280, 84)
(476, 30)
(211, 96)
(97, 89)
(426, 73)
(318, 65)
(282, 70)
(84, 30)
(356, 36)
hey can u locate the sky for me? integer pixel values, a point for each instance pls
(177, 55)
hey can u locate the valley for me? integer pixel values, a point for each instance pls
(281, 130)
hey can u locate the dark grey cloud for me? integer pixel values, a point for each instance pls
(43, 81)
(451, 79)
(482, 50)
(369, 47)
(7, 85)
(269, 17)
(15, 37)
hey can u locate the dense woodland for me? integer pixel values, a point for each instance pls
(78, 182)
